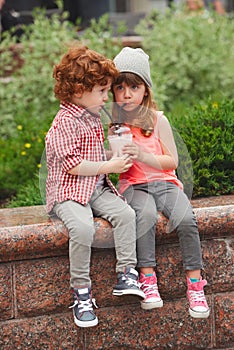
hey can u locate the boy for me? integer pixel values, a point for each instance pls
(77, 186)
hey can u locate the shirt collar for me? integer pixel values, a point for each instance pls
(77, 111)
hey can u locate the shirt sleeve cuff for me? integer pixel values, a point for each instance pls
(71, 162)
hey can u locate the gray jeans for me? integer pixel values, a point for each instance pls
(147, 199)
(80, 224)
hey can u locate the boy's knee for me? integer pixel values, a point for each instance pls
(83, 234)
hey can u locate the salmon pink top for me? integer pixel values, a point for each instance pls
(141, 173)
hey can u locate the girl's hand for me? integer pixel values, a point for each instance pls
(109, 154)
(133, 151)
(119, 164)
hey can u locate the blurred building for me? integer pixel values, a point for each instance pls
(129, 11)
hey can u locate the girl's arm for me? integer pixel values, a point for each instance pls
(167, 161)
(168, 144)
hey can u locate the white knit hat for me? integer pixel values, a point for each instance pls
(134, 61)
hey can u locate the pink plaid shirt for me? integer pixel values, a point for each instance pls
(74, 135)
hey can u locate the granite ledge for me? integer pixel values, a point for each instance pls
(37, 214)
(27, 232)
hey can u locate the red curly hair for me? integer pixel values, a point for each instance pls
(79, 70)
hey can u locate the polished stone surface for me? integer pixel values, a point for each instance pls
(6, 292)
(50, 238)
(35, 293)
(126, 327)
(224, 318)
(37, 214)
(42, 285)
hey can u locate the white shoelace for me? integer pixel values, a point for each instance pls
(197, 296)
(130, 281)
(150, 288)
(84, 305)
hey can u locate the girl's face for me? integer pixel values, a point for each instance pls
(130, 96)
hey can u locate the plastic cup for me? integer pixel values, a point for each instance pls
(117, 142)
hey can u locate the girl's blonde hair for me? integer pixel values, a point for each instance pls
(144, 115)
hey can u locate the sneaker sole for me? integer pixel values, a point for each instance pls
(138, 293)
(196, 314)
(153, 305)
(84, 324)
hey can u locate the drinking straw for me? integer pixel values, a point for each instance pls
(107, 113)
(120, 116)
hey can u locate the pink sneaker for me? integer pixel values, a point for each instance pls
(150, 288)
(197, 300)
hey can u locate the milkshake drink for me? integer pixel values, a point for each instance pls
(121, 138)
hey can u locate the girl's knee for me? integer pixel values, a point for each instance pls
(187, 224)
(146, 214)
(128, 214)
(189, 219)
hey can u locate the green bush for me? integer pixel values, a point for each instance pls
(28, 194)
(181, 73)
(191, 57)
(207, 131)
(28, 104)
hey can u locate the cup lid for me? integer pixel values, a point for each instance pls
(122, 129)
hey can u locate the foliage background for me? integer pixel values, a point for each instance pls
(192, 57)
(192, 69)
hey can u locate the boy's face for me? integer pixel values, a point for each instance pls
(93, 100)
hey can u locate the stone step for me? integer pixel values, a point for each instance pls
(35, 293)
(126, 328)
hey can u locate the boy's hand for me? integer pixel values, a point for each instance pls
(114, 165)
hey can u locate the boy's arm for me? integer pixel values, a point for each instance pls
(114, 165)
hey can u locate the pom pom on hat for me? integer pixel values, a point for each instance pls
(134, 61)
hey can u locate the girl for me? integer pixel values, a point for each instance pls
(151, 185)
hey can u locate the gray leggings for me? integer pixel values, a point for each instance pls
(147, 199)
(79, 221)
